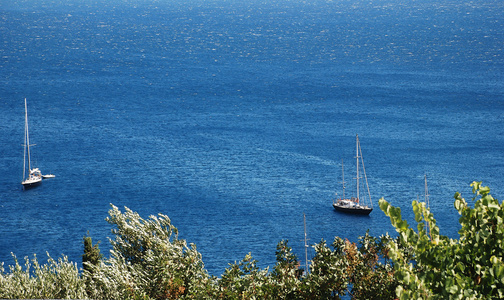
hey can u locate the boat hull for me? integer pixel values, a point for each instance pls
(30, 184)
(353, 210)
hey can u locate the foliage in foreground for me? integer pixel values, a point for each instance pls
(54, 280)
(148, 261)
(441, 268)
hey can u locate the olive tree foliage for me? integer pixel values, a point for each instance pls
(336, 270)
(148, 261)
(361, 270)
(55, 280)
(241, 280)
(437, 267)
(371, 273)
(244, 280)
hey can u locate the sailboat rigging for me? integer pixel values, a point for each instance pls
(305, 245)
(427, 202)
(355, 205)
(34, 175)
(426, 192)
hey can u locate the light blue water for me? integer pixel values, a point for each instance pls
(232, 118)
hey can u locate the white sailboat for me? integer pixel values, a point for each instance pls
(34, 175)
(356, 205)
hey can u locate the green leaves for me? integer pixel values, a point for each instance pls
(468, 268)
(149, 261)
(56, 280)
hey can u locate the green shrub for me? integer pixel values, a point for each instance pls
(147, 261)
(441, 268)
(55, 279)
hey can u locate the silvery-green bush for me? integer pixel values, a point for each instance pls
(147, 261)
(56, 280)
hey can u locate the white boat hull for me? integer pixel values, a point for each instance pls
(31, 182)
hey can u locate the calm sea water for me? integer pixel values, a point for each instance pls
(232, 117)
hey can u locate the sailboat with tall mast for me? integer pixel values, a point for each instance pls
(34, 175)
(356, 205)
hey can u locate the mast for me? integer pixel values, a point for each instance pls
(427, 203)
(24, 147)
(343, 177)
(426, 191)
(305, 243)
(357, 156)
(365, 176)
(27, 140)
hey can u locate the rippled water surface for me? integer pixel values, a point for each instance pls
(232, 117)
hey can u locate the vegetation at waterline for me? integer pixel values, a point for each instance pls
(149, 261)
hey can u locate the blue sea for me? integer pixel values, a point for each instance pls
(233, 117)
